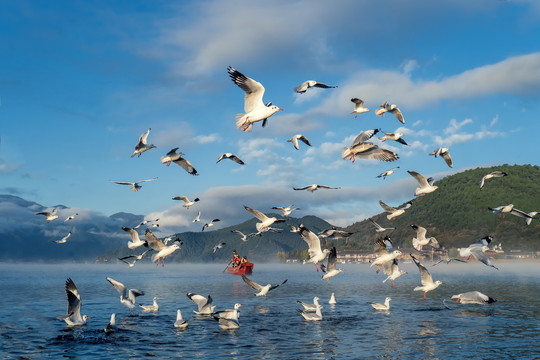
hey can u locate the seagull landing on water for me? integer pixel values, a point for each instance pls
(382, 307)
(387, 173)
(445, 155)
(204, 305)
(476, 250)
(393, 109)
(135, 240)
(426, 279)
(316, 254)
(379, 228)
(314, 187)
(420, 240)
(142, 145)
(187, 202)
(426, 185)
(473, 297)
(265, 221)
(383, 249)
(49, 216)
(73, 316)
(495, 174)
(134, 185)
(127, 298)
(295, 138)
(162, 250)
(358, 107)
(254, 107)
(394, 212)
(302, 88)
(332, 300)
(172, 156)
(232, 157)
(262, 290)
(360, 148)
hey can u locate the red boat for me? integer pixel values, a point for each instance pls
(244, 269)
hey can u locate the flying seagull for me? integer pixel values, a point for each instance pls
(393, 136)
(382, 307)
(210, 224)
(295, 138)
(265, 221)
(162, 250)
(358, 107)
(73, 316)
(218, 246)
(71, 217)
(64, 239)
(420, 240)
(494, 174)
(127, 297)
(262, 290)
(316, 254)
(330, 270)
(187, 202)
(334, 233)
(426, 279)
(387, 173)
(393, 109)
(302, 88)
(476, 250)
(383, 249)
(136, 257)
(49, 216)
(473, 297)
(204, 305)
(444, 153)
(177, 158)
(254, 107)
(197, 218)
(378, 227)
(394, 212)
(243, 236)
(426, 185)
(142, 145)
(448, 260)
(360, 148)
(286, 210)
(135, 240)
(232, 157)
(134, 185)
(314, 187)
(391, 269)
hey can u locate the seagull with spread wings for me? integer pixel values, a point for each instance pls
(426, 185)
(302, 88)
(262, 290)
(204, 305)
(134, 185)
(379, 228)
(162, 250)
(73, 316)
(421, 240)
(314, 187)
(295, 138)
(394, 212)
(477, 250)
(426, 279)
(494, 174)
(187, 203)
(177, 158)
(445, 155)
(232, 157)
(49, 216)
(316, 254)
(363, 149)
(387, 173)
(383, 249)
(142, 145)
(358, 107)
(265, 220)
(127, 297)
(286, 210)
(135, 240)
(393, 109)
(330, 270)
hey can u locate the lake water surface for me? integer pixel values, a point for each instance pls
(32, 295)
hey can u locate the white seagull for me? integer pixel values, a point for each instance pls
(151, 308)
(476, 250)
(134, 185)
(394, 212)
(180, 323)
(310, 307)
(382, 307)
(172, 156)
(334, 233)
(218, 246)
(198, 217)
(444, 153)
(204, 305)
(187, 202)
(231, 314)
(254, 107)
(494, 174)
(226, 324)
(383, 249)
(243, 236)
(393, 109)
(302, 88)
(332, 300)
(71, 217)
(420, 240)
(286, 210)
(162, 250)
(232, 157)
(393, 136)
(127, 297)
(378, 227)
(64, 239)
(262, 290)
(210, 224)
(426, 185)
(387, 173)
(136, 257)
(265, 221)
(111, 326)
(367, 150)
(142, 145)
(358, 107)
(49, 216)
(426, 279)
(135, 240)
(295, 138)
(73, 316)
(391, 269)
(316, 254)
(310, 316)
(473, 297)
(330, 270)
(314, 187)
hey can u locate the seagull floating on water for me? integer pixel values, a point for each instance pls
(426, 185)
(394, 212)
(134, 185)
(180, 323)
(232, 157)
(495, 174)
(310, 316)
(314, 187)
(187, 202)
(172, 156)
(332, 300)
(262, 290)
(295, 138)
(111, 326)
(226, 324)
(426, 279)
(445, 155)
(231, 314)
(310, 307)
(254, 107)
(473, 297)
(358, 107)
(132, 294)
(162, 250)
(151, 308)
(382, 307)
(393, 109)
(204, 305)
(73, 316)
(142, 145)
(302, 88)
(49, 216)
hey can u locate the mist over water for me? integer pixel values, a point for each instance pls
(32, 295)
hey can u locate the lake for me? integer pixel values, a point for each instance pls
(33, 295)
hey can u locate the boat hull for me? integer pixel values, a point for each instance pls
(244, 269)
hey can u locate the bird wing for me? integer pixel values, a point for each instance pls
(294, 141)
(357, 102)
(420, 232)
(302, 87)
(237, 160)
(200, 300)
(389, 267)
(381, 247)
(302, 188)
(153, 241)
(419, 177)
(275, 286)
(327, 187)
(313, 241)
(426, 278)
(378, 153)
(446, 156)
(304, 140)
(397, 113)
(259, 215)
(364, 136)
(74, 301)
(332, 259)
(252, 283)
(134, 234)
(121, 288)
(400, 140)
(253, 89)
(324, 86)
(479, 255)
(386, 207)
(183, 198)
(376, 225)
(520, 213)
(133, 293)
(140, 181)
(124, 183)
(186, 165)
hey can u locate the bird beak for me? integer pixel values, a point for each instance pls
(280, 109)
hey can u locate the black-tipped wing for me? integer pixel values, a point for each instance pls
(252, 283)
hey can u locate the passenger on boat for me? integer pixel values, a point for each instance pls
(244, 260)
(236, 259)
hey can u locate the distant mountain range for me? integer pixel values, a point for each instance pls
(456, 214)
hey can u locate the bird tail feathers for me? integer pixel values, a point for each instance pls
(242, 123)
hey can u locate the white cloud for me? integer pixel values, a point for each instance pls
(409, 66)
(455, 126)
(207, 139)
(7, 168)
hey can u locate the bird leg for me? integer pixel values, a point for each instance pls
(379, 269)
(317, 267)
(352, 157)
(424, 295)
(392, 283)
(455, 302)
(162, 262)
(168, 163)
(157, 262)
(139, 155)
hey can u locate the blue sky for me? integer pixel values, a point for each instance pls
(80, 82)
